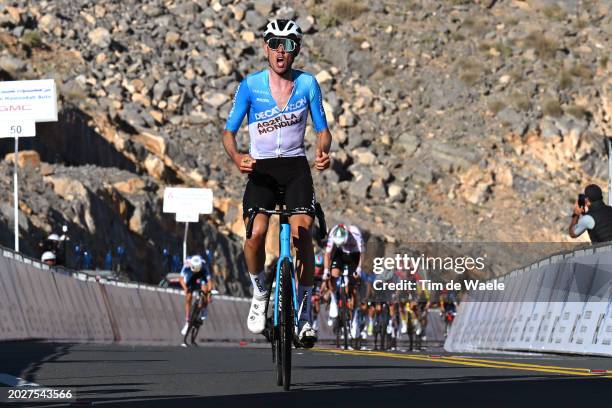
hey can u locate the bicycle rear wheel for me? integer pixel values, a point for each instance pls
(287, 325)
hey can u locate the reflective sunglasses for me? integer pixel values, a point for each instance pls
(288, 44)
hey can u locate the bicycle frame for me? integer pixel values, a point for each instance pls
(285, 253)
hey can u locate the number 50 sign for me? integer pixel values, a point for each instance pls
(23, 103)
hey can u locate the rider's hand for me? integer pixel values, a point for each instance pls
(244, 162)
(578, 210)
(322, 160)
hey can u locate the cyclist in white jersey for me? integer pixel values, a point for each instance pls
(345, 247)
(277, 102)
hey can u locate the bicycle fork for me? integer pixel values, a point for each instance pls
(285, 252)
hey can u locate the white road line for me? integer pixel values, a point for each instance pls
(13, 381)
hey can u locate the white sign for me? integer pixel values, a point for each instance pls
(188, 200)
(18, 129)
(187, 216)
(34, 101)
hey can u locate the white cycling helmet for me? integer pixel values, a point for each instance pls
(53, 237)
(340, 235)
(284, 29)
(195, 263)
(48, 256)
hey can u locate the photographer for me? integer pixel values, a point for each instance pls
(592, 215)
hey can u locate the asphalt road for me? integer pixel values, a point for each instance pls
(228, 375)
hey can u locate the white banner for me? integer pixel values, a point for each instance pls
(33, 101)
(188, 200)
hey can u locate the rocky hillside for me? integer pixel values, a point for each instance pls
(452, 120)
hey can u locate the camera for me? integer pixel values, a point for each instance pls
(581, 198)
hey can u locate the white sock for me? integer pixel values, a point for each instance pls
(259, 284)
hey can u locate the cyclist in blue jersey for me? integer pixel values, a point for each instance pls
(195, 273)
(277, 102)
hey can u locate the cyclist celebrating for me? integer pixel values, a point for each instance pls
(277, 101)
(195, 272)
(344, 248)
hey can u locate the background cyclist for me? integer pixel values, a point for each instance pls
(344, 248)
(195, 273)
(277, 101)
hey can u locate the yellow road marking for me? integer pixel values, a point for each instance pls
(509, 363)
(474, 362)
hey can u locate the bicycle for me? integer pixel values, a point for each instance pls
(381, 321)
(195, 317)
(281, 328)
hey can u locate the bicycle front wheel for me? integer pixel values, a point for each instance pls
(287, 324)
(346, 320)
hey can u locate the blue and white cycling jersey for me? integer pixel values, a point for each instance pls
(188, 274)
(276, 132)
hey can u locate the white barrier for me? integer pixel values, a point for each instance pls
(37, 302)
(560, 304)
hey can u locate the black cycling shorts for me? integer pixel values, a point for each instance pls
(340, 259)
(271, 177)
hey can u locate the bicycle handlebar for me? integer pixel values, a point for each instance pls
(318, 214)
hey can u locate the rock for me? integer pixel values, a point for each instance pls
(154, 143)
(264, 7)
(381, 172)
(154, 166)
(513, 120)
(503, 176)
(329, 115)
(355, 140)
(359, 187)
(158, 116)
(422, 174)
(504, 79)
(339, 135)
(68, 188)
(285, 12)
(133, 185)
(323, 76)
(224, 66)
(306, 23)
(215, 99)
(364, 156)
(100, 37)
(12, 65)
(255, 20)
(377, 190)
(248, 36)
(548, 128)
(136, 223)
(172, 38)
(47, 23)
(409, 142)
(396, 193)
(27, 158)
(239, 11)
(475, 185)
(347, 119)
